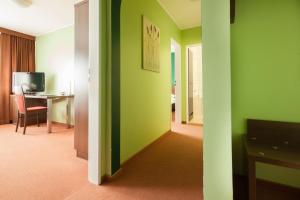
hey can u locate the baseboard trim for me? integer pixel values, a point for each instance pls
(194, 124)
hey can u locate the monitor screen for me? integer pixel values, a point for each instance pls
(31, 82)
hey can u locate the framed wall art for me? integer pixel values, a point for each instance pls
(151, 46)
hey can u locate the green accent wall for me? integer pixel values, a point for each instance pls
(217, 100)
(265, 74)
(145, 95)
(104, 87)
(55, 57)
(115, 86)
(188, 37)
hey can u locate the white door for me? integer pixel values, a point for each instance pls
(190, 85)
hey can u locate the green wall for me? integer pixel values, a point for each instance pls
(217, 100)
(55, 57)
(188, 37)
(145, 95)
(265, 73)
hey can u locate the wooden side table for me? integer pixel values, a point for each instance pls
(271, 142)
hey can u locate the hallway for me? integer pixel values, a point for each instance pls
(169, 169)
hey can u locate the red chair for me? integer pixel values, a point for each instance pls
(24, 110)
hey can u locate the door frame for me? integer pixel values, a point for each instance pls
(178, 92)
(94, 122)
(187, 77)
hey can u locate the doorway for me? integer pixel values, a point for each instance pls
(176, 81)
(194, 89)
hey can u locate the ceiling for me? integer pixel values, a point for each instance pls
(43, 16)
(185, 13)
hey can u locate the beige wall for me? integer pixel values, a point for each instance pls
(55, 57)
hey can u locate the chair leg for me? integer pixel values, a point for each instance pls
(37, 120)
(25, 124)
(18, 120)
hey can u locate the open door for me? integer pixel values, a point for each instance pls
(190, 85)
(82, 78)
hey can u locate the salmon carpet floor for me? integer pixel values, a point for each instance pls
(41, 166)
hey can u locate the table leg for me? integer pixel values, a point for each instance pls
(69, 113)
(49, 115)
(252, 178)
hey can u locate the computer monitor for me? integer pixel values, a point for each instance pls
(31, 82)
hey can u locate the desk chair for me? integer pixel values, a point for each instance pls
(24, 110)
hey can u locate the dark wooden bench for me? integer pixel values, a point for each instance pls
(271, 142)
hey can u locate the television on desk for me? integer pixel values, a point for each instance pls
(31, 82)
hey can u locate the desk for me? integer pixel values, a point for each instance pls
(50, 99)
(270, 142)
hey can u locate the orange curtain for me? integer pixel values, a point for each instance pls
(22, 55)
(5, 77)
(16, 55)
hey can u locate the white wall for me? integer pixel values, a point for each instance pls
(55, 57)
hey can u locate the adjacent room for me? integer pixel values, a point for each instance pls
(43, 98)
